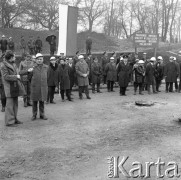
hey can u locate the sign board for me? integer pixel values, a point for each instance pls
(146, 40)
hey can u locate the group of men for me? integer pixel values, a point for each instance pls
(37, 82)
(6, 44)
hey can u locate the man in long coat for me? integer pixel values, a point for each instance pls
(64, 78)
(52, 80)
(104, 62)
(171, 72)
(23, 71)
(88, 45)
(12, 88)
(123, 72)
(159, 72)
(150, 75)
(39, 86)
(89, 61)
(96, 75)
(82, 71)
(71, 73)
(111, 75)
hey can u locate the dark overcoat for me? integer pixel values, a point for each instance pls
(159, 71)
(9, 73)
(64, 77)
(138, 73)
(96, 73)
(171, 72)
(104, 62)
(123, 71)
(3, 44)
(150, 73)
(111, 73)
(39, 86)
(53, 73)
(82, 68)
(72, 74)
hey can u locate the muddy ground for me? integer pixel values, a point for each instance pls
(76, 140)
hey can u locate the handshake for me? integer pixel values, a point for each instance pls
(30, 69)
(84, 75)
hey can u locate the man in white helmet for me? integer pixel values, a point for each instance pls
(82, 71)
(39, 87)
(150, 75)
(171, 72)
(159, 72)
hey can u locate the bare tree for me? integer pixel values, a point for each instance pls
(90, 12)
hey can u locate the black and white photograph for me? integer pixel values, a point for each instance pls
(90, 89)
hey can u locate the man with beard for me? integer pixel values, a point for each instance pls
(123, 72)
(12, 87)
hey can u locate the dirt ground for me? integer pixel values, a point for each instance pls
(76, 140)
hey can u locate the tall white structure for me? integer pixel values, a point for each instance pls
(67, 43)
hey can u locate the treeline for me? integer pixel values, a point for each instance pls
(120, 18)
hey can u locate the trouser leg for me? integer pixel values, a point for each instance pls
(10, 111)
(41, 108)
(98, 87)
(167, 85)
(176, 85)
(104, 79)
(86, 91)
(62, 94)
(112, 84)
(68, 94)
(135, 86)
(154, 86)
(52, 92)
(148, 88)
(3, 102)
(171, 87)
(140, 88)
(49, 92)
(15, 108)
(109, 85)
(93, 87)
(35, 108)
(80, 91)
(124, 90)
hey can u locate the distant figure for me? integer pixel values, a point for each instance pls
(3, 44)
(52, 46)
(38, 45)
(11, 45)
(31, 45)
(88, 45)
(23, 44)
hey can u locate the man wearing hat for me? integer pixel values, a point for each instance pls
(124, 71)
(52, 79)
(104, 62)
(111, 74)
(178, 67)
(3, 44)
(31, 45)
(38, 45)
(11, 45)
(23, 71)
(82, 71)
(138, 75)
(39, 87)
(159, 72)
(171, 72)
(150, 75)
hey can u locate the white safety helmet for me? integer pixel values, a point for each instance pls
(153, 59)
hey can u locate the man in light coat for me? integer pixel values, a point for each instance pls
(82, 71)
(12, 88)
(39, 86)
